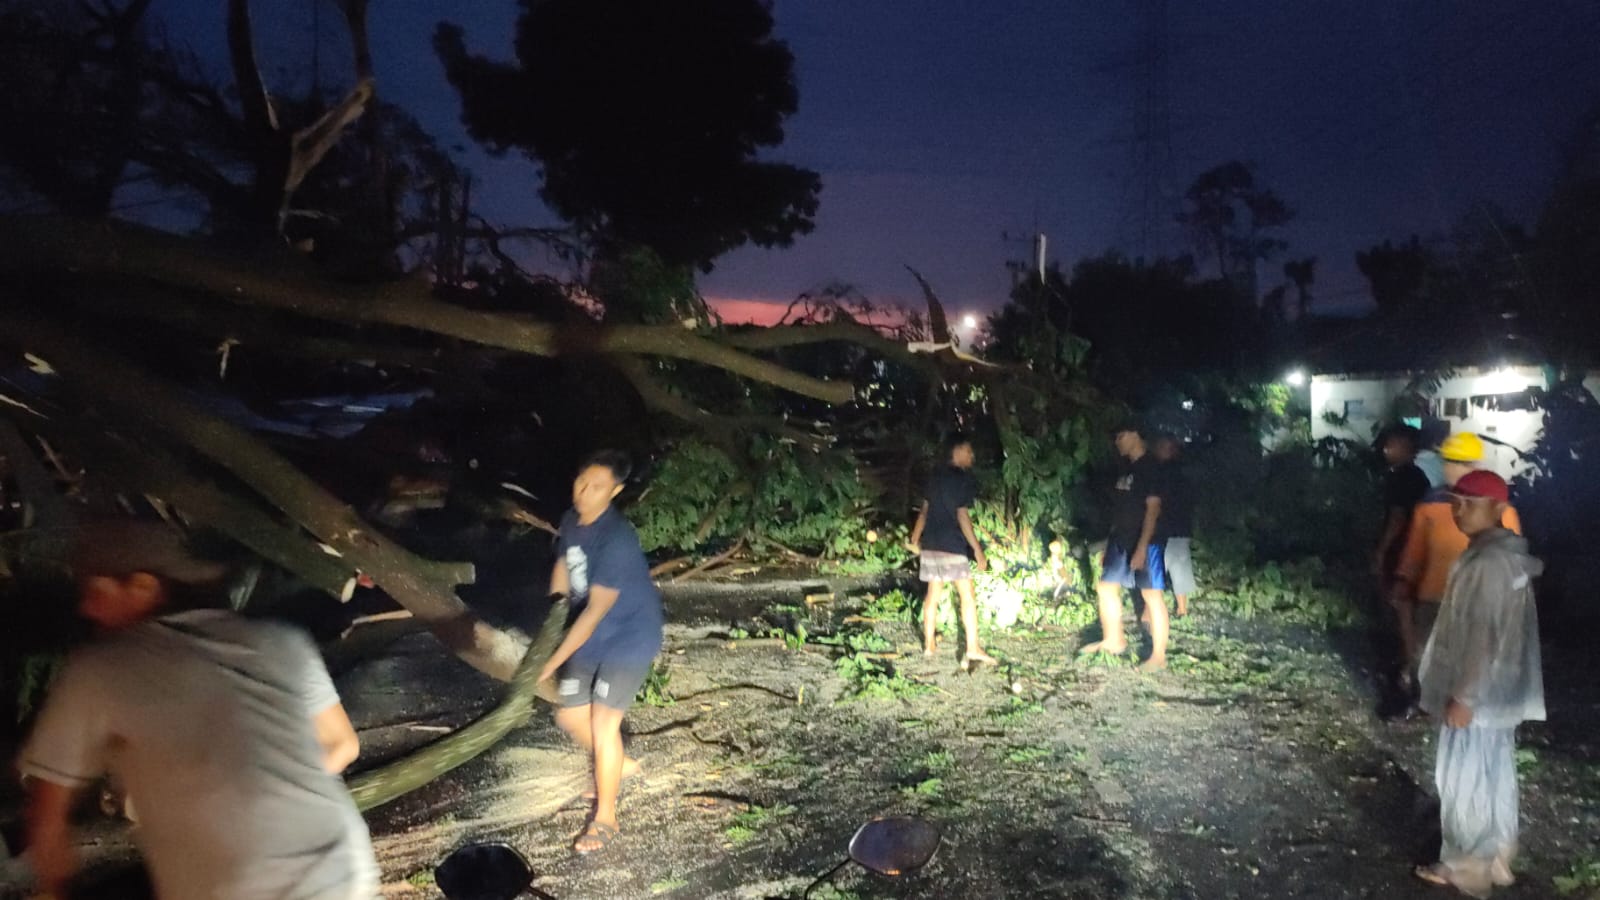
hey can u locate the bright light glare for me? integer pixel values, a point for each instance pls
(969, 321)
(1297, 378)
(1503, 380)
(1188, 405)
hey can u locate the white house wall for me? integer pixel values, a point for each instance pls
(1369, 402)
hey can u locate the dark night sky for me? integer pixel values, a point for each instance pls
(939, 124)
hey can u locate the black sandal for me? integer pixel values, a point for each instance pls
(599, 831)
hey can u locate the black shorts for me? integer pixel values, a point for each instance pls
(610, 683)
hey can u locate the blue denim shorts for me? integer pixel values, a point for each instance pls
(1116, 569)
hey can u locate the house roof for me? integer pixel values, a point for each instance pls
(1411, 343)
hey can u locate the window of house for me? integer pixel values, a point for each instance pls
(1513, 402)
(1455, 407)
(1354, 409)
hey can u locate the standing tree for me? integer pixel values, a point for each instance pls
(1302, 273)
(1229, 218)
(646, 118)
(1394, 274)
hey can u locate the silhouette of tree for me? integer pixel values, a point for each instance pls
(94, 100)
(1148, 325)
(1394, 274)
(647, 118)
(1302, 273)
(1228, 217)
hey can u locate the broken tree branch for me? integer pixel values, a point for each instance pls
(711, 563)
(119, 251)
(384, 784)
(152, 471)
(425, 587)
(310, 144)
(718, 427)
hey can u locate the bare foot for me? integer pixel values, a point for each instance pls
(928, 652)
(1103, 647)
(1153, 664)
(981, 658)
(630, 768)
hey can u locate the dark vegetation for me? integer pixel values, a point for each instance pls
(228, 373)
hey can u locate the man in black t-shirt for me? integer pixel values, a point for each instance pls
(1404, 486)
(947, 545)
(1134, 556)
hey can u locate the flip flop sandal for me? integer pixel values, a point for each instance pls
(597, 831)
(1434, 874)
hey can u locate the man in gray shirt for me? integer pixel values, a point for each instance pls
(224, 732)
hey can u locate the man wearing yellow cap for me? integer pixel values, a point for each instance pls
(1433, 544)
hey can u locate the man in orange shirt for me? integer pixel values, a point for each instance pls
(1433, 544)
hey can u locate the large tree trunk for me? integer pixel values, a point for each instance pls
(143, 402)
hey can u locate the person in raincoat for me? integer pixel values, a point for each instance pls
(1433, 544)
(1480, 675)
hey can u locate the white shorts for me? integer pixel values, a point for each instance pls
(1180, 567)
(940, 566)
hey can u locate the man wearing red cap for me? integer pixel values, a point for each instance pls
(1481, 676)
(1433, 544)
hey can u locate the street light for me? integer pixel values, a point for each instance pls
(969, 321)
(1297, 378)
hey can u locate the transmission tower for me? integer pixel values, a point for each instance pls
(1154, 182)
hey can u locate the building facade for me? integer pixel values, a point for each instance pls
(1492, 403)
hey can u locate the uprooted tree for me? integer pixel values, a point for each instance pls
(144, 361)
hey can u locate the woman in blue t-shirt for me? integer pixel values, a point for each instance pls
(606, 655)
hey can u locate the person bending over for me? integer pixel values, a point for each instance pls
(225, 732)
(606, 656)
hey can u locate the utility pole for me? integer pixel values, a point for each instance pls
(1039, 261)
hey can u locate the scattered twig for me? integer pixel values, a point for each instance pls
(518, 514)
(56, 463)
(391, 616)
(745, 686)
(713, 562)
(670, 726)
(1096, 820)
(663, 568)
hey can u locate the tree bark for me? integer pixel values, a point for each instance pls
(384, 784)
(425, 587)
(152, 471)
(119, 251)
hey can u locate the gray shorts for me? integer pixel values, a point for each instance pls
(936, 565)
(610, 683)
(1180, 567)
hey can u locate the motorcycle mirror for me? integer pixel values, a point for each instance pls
(488, 871)
(895, 845)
